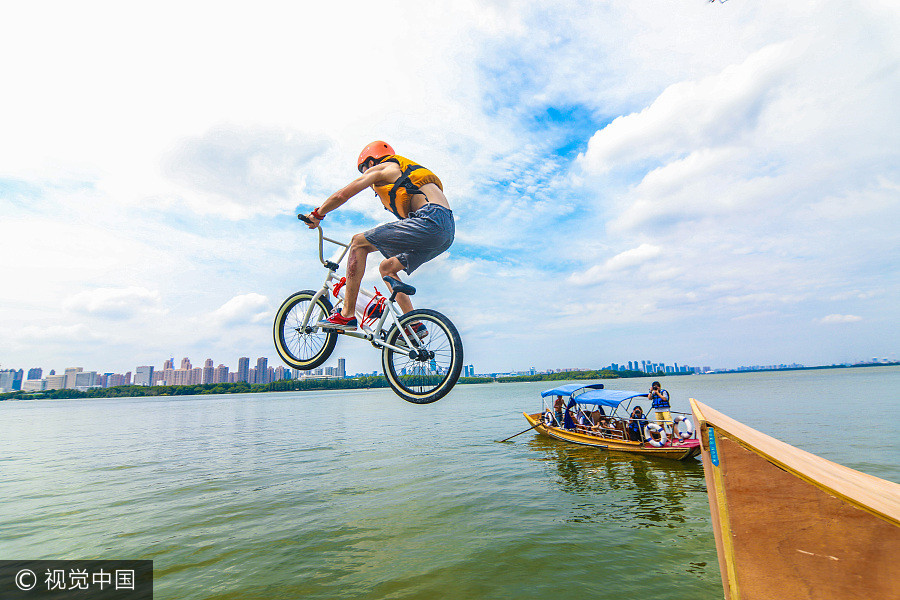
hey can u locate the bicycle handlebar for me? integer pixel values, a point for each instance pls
(326, 263)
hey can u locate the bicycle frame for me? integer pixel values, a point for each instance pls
(373, 335)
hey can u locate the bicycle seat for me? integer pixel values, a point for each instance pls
(399, 287)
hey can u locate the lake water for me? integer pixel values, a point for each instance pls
(361, 495)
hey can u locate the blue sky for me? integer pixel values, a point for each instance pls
(709, 184)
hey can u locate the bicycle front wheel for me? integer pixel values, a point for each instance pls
(299, 347)
(429, 370)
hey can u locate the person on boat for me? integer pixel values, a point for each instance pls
(599, 420)
(659, 399)
(585, 425)
(558, 406)
(424, 229)
(569, 420)
(636, 424)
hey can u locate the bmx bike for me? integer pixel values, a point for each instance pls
(421, 351)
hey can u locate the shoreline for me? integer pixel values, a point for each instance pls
(300, 385)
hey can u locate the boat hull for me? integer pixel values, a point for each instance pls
(688, 449)
(790, 524)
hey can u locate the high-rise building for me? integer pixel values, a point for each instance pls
(70, 377)
(342, 368)
(85, 379)
(209, 371)
(143, 375)
(169, 364)
(262, 370)
(55, 382)
(6, 381)
(221, 374)
(186, 363)
(34, 385)
(196, 376)
(35, 373)
(243, 371)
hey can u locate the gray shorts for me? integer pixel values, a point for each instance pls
(415, 240)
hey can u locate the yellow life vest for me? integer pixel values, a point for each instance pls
(397, 196)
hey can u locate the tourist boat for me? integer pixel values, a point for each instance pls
(607, 430)
(790, 524)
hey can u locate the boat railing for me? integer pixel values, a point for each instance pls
(547, 409)
(670, 423)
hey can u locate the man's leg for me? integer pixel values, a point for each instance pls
(356, 268)
(390, 267)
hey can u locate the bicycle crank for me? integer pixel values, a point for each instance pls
(421, 354)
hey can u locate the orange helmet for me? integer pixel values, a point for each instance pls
(373, 151)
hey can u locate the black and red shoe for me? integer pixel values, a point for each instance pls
(417, 329)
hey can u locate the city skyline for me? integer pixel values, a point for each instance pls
(147, 375)
(187, 374)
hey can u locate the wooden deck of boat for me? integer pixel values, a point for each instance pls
(790, 524)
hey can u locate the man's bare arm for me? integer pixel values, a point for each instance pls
(377, 175)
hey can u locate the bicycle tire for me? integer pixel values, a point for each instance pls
(298, 349)
(422, 381)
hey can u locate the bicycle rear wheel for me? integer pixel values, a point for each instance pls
(431, 368)
(303, 348)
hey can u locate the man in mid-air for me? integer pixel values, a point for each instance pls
(425, 228)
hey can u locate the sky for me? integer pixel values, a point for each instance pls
(712, 184)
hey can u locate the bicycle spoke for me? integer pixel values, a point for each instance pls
(296, 345)
(423, 376)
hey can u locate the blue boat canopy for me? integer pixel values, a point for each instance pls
(571, 388)
(593, 394)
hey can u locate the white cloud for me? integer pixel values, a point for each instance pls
(835, 318)
(59, 334)
(690, 114)
(243, 309)
(629, 259)
(239, 173)
(115, 303)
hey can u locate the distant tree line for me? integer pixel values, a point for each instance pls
(580, 375)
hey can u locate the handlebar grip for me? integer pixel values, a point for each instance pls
(304, 218)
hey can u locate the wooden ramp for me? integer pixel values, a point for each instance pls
(789, 524)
